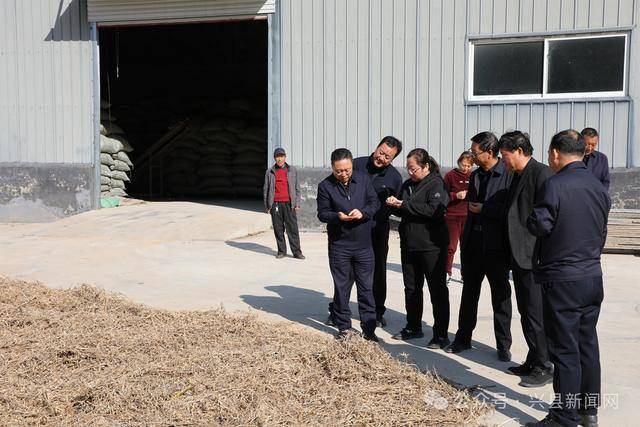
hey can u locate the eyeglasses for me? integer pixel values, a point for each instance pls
(413, 171)
(474, 154)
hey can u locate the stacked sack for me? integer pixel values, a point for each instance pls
(222, 155)
(115, 164)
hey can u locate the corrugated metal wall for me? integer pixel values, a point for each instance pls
(354, 71)
(108, 11)
(542, 120)
(45, 82)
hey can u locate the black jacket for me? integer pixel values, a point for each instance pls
(521, 200)
(386, 181)
(570, 220)
(424, 204)
(333, 198)
(492, 209)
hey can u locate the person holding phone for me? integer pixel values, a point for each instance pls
(483, 251)
(424, 240)
(347, 203)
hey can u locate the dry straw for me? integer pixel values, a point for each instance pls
(85, 357)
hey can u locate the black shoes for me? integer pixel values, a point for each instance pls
(520, 370)
(457, 347)
(330, 321)
(438, 343)
(381, 322)
(589, 420)
(281, 255)
(504, 355)
(548, 421)
(537, 378)
(408, 334)
(370, 337)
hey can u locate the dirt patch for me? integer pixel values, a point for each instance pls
(83, 356)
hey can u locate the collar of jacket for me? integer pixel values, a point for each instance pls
(273, 168)
(593, 155)
(573, 165)
(424, 181)
(497, 169)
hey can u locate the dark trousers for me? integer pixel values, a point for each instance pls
(416, 266)
(571, 311)
(455, 224)
(283, 218)
(380, 243)
(476, 264)
(529, 300)
(346, 266)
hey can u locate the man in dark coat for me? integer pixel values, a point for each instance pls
(570, 220)
(596, 161)
(347, 203)
(386, 181)
(483, 250)
(528, 179)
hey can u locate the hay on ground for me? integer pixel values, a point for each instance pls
(83, 356)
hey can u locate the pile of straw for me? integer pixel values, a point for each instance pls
(83, 356)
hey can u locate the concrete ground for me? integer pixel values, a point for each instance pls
(193, 256)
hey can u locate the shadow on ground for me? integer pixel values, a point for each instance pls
(309, 308)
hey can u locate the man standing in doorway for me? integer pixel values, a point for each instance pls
(482, 248)
(570, 220)
(597, 162)
(347, 203)
(386, 181)
(281, 194)
(528, 179)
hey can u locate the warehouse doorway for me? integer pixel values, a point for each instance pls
(184, 110)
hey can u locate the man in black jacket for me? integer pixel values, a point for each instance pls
(386, 181)
(347, 203)
(570, 220)
(528, 179)
(482, 247)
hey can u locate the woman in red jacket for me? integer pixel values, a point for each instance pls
(456, 182)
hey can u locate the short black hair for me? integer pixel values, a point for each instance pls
(568, 141)
(423, 158)
(392, 142)
(486, 141)
(341, 154)
(589, 132)
(511, 141)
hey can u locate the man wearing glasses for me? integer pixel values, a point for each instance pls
(347, 203)
(386, 181)
(482, 247)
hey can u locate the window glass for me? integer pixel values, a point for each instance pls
(508, 68)
(586, 65)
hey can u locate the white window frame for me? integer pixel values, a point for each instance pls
(545, 67)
